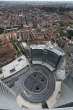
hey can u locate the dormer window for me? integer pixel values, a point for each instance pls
(20, 59)
(0, 71)
(12, 70)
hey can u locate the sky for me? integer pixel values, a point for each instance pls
(36, 0)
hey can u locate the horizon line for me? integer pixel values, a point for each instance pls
(36, 0)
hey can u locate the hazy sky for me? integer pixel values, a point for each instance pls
(36, 0)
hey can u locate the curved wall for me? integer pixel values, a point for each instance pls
(46, 56)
